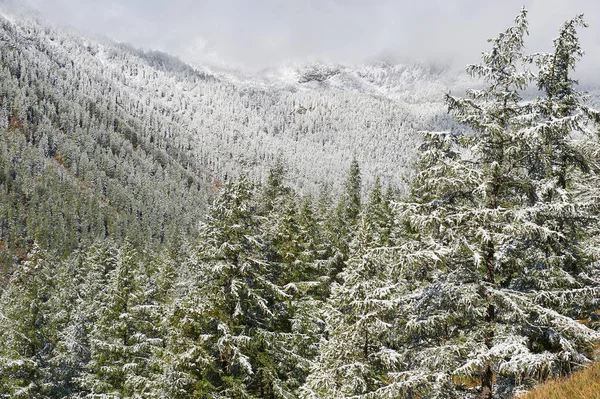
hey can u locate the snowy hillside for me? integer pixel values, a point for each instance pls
(317, 117)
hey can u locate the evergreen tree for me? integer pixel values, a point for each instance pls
(27, 331)
(377, 218)
(274, 187)
(72, 345)
(480, 292)
(345, 217)
(188, 364)
(245, 314)
(360, 345)
(316, 252)
(81, 287)
(493, 306)
(352, 194)
(125, 340)
(358, 353)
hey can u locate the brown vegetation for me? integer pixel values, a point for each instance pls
(582, 385)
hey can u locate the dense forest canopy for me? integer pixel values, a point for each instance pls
(166, 233)
(104, 140)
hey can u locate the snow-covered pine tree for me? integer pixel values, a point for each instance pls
(247, 328)
(360, 344)
(294, 249)
(378, 217)
(72, 344)
(351, 198)
(126, 337)
(274, 188)
(343, 220)
(27, 332)
(81, 282)
(491, 312)
(188, 364)
(310, 232)
(563, 129)
(563, 162)
(315, 252)
(328, 220)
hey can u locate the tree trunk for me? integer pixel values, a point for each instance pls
(487, 378)
(487, 382)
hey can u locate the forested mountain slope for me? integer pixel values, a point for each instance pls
(78, 160)
(225, 119)
(100, 139)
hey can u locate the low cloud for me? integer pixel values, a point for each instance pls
(259, 33)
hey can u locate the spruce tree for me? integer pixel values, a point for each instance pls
(188, 368)
(125, 338)
(493, 310)
(496, 254)
(377, 218)
(245, 311)
(347, 211)
(83, 280)
(73, 324)
(28, 332)
(352, 193)
(359, 346)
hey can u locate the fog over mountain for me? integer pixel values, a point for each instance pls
(265, 32)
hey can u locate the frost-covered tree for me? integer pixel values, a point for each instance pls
(188, 364)
(564, 129)
(377, 218)
(492, 309)
(73, 323)
(27, 331)
(274, 188)
(125, 340)
(347, 211)
(245, 320)
(359, 344)
(352, 194)
(359, 347)
(497, 254)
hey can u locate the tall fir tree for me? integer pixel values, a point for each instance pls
(126, 337)
(28, 332)
(483, 292)
(359, 346)
(246, 316)
(504, 262)
(347, 211)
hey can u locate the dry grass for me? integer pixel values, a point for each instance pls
(581, 385)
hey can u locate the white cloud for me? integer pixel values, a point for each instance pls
(262, 32)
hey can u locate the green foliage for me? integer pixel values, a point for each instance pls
(248, 310)
(126, 338)
(344, 219)
(506, 232)
(28, 333)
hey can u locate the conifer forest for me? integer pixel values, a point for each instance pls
(379, 231)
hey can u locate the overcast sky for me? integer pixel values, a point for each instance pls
(264, 32)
